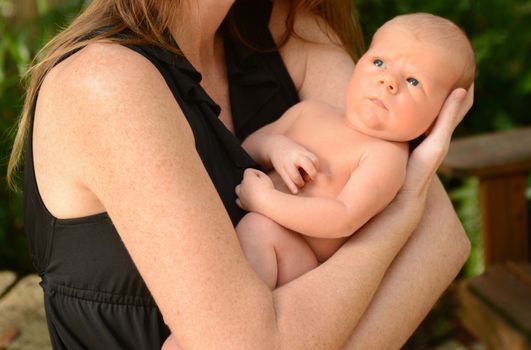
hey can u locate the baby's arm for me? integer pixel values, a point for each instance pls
(372, 185)
(272, 149)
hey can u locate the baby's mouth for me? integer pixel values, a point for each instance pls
(378, 102)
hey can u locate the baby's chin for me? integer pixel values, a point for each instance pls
(389, 134)
(371, 121)
(378, 126)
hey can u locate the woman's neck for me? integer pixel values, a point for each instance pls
(195, 28)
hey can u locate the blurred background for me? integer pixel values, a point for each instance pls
(500, 33)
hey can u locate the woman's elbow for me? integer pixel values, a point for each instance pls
(462, 245)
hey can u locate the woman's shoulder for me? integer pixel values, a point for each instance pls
(103, 90)
(100, 67)
(103, 106)
(101, 77)
(88, 104)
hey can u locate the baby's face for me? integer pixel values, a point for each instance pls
(399, 85)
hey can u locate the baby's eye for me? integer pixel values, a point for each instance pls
(378, 62)
(413, 81)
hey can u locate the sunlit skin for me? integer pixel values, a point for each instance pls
(399, 85)
(333, 170)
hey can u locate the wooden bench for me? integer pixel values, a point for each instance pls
(22, 319)
(502, 161)
(496, 306)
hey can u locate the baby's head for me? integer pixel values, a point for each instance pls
(399, 85)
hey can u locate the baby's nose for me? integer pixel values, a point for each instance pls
(390, 83)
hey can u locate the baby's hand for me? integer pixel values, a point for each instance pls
(251, 191)
(290, 159)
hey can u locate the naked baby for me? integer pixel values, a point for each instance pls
(332, 170)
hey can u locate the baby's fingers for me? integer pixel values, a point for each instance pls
(292, 178)
(310, 166)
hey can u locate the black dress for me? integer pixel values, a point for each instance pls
(94, 296)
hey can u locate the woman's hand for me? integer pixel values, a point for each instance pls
(426, 158)
(253, 189)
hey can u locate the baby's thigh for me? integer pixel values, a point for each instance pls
(292, 254)
(257, 229)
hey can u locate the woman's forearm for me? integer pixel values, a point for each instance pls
(320, 309)
(424, 268)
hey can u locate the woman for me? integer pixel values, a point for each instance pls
(125, 144)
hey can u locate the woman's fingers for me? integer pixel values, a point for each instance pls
(427, 157)
(468, 102)
(451, 114)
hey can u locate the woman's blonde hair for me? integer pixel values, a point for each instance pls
(147, 22)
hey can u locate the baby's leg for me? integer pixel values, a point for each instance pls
(277, 254)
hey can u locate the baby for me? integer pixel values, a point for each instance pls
(332, 169)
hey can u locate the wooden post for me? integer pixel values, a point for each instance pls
(25, 10)
(504, 218)
(502, 161)
(496, 306)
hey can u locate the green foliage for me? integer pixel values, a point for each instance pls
(19, 42)
(466, 196)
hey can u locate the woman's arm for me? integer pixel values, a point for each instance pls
(135, 151)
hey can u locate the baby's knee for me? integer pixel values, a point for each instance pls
(255, 224)
(260, 229)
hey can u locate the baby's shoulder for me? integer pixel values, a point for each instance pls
(383, 149)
